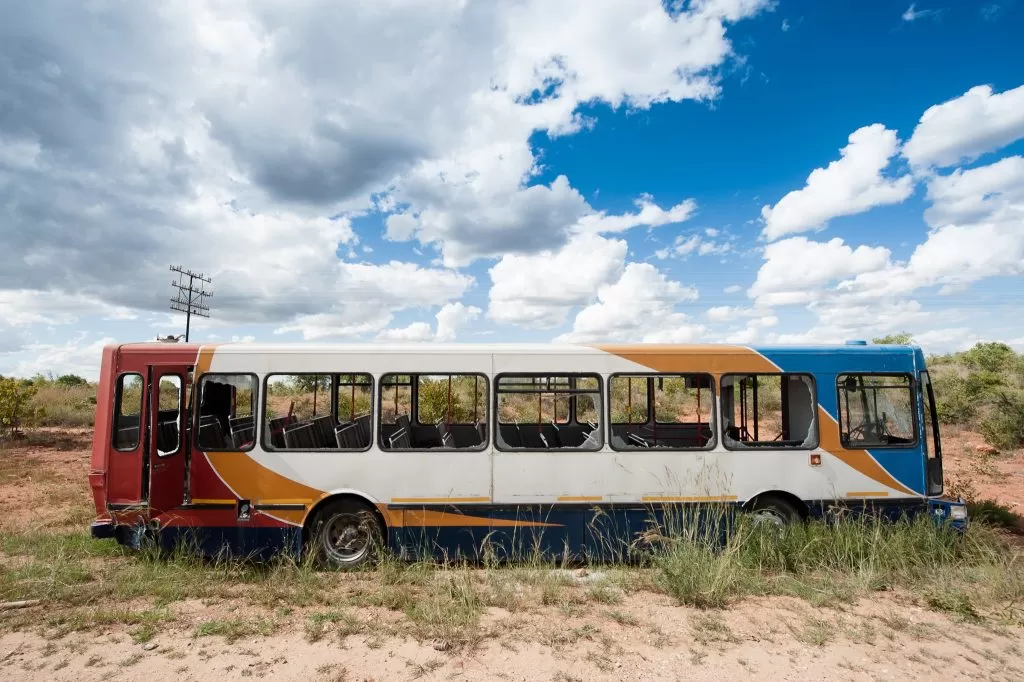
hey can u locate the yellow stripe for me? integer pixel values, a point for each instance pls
(437, 500)
(580, 498)
(868, 494)
(203, 500)
(712, 498)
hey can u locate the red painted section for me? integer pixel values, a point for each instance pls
(204, 483)
(101, 433)
(197, 518)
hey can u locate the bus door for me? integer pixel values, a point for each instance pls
(167, 439)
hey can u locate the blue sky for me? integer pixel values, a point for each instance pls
(349, 175)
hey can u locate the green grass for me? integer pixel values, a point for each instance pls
(976, 576)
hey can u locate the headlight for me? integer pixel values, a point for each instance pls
(958, 513)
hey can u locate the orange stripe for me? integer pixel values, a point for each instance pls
(688, 498)
(861, 460)
(423, 517)
(712, 359)
(868, 494)
(437, 500)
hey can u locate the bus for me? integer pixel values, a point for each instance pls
(322, 451)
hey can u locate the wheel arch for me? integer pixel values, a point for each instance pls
(792, 499)
(344, 496)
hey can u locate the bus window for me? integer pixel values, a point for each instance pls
(317, 412)
(876, 410)
(545, 412)
(433, 412)
(769, 411)
(682, 418)
(169, 399)
(226, 412)
(128, 412)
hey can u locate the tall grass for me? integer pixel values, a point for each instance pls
(974, 575)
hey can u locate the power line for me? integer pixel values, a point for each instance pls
(190, 300)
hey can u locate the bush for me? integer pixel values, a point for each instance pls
(14, 398)
(1003, 427)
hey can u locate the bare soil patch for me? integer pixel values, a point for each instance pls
(595, 624)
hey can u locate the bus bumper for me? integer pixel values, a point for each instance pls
(102, 530)
(949, 512)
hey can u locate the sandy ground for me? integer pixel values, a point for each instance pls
(645, 637)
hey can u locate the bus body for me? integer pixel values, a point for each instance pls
(248, 447)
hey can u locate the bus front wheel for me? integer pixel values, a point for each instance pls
(345, 535)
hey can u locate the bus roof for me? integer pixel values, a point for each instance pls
(517, 348)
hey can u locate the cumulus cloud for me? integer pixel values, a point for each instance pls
(964, 128)
(640, 306)
(853, 184)
(795, 270)
(241, 139)
(539, 290)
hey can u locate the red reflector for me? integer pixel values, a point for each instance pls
(815, 460)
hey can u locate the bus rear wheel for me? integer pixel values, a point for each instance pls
(344, 535)
(774, 512)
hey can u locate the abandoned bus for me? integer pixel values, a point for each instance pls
(322, 450)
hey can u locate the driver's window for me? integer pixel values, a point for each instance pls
(876, 410)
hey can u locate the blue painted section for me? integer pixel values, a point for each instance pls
(907, 465)
(233, 542)
(573, 533)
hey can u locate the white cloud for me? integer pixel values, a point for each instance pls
(965, 196)
(964, 128)
(539, 290)
(640, 306)
(976, 219)
(450, 319)
(453, 317)
(649, 214)
(372, 293)
(853, 184)
(228, 157)
(684, 246)
(24, 307)
(417, 331)
(913, 14)
(733, 289)
(796, 269)
(71, 357)
(785, 25)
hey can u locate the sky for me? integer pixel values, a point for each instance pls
(740, 171)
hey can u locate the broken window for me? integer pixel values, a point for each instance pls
(682, 417)
(769, 411)
(127, 411)
(549, 412)
(227, 412)
(876, 410)
(318, 412)
(433, 411)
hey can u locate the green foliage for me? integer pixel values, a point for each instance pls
(900, 339)
(14, 399)
(70, 380)
(1003, 426)
(982, 387)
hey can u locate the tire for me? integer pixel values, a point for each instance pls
(344, 536)
(775, 511)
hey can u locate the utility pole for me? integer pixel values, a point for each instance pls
(190, 300)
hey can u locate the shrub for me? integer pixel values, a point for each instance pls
(1003, 427)
(14, 398)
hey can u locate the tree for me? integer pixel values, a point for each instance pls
(901, 339)
(69, 380)
(14, 396)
